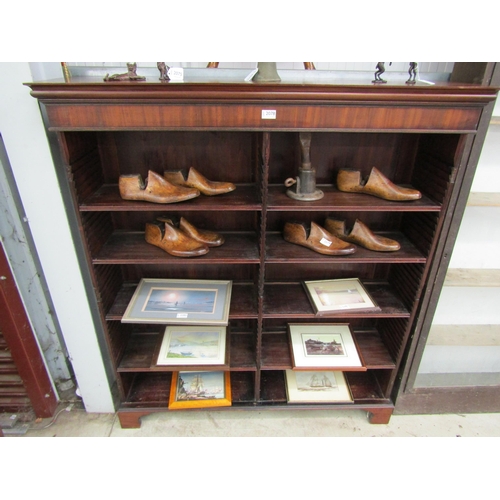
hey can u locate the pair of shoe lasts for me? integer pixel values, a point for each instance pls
(173, 187)
(180, 238)
(334, 239)
(376, 184)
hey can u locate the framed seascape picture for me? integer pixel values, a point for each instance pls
(193, 345)
(323, 347)
(317, 387)
(334, 296)
(188, 302)
(199, 390)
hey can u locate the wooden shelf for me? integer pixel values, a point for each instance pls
(152, 390)
(335, 200)
(243, 302)
(280, 251)
(363, 385)
(107, 199)
(142, 349)
(276, 351)
(132, 248)
(289, 300)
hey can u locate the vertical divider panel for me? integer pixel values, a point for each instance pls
(264, 185)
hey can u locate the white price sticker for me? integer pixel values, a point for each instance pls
(325, 242)
(182, 315)
(269, 114)
(176, 74)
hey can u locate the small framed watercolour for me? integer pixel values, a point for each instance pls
(199, 390)
(193, 346)
(323, 347)
(334, 296)
(317, 387)
(188, 302)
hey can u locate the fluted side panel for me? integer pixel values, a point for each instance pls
(406, 280)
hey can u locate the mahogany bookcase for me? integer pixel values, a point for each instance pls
(420, 135)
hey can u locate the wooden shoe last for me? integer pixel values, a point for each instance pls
(318, 239)
(361, 235)
(195, 180)
(209, 238)
(155, 189)
(376, 185)
(172, 240)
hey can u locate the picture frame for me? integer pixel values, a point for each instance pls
(325, 346)
(193, 346)
(317, 387)
(330, 297)
(199, 389)
(180, 302)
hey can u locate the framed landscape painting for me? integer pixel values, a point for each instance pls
(188, 302)
(323, 347)
(193, 346)
(199, 390)
(335, 296)
(317, 387)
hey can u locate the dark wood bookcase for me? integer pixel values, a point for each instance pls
(419, 135)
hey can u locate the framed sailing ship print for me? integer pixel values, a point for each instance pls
(199, 390)
(180, 302)
(326, 346)
(317, 387)
(337, 296)
(193, 346)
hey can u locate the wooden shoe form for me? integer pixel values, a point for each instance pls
(317, 239)
(209, 238)
(155, 189)
(195, 180)
(172, 240)
(376, 185)
(361, 235)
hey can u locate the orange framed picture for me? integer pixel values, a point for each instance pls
(199, 389)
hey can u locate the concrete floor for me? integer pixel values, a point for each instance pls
(75, 422)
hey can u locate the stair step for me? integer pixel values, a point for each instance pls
(483, 200)
(472, 277)
(464, 335)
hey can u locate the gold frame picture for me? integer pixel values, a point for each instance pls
(199, 390)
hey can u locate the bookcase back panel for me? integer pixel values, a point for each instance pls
(219, 156)
(247, 272)
(393, 154)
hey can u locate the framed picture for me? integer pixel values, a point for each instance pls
(199, 390)
(334, 296)
(323, 347)
(317, 387)
(193, 346)
(188, 302)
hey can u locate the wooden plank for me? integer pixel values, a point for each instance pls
(20, 339)
(132, 248)
(249, 117)
(289, 300)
